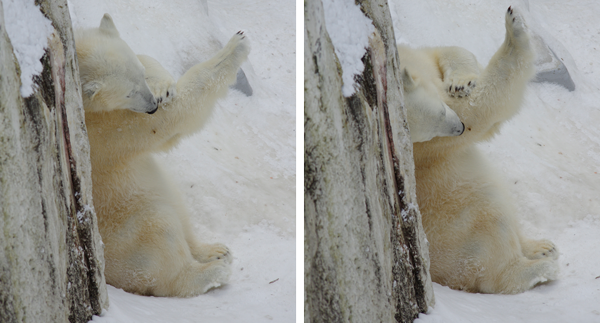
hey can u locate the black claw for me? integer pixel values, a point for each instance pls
(167, 94)
(509, 8)
(450, 88)
(469, 83)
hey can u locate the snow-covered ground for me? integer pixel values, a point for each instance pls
(239, 173)
(549, 153)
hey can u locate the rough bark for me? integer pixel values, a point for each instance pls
(366, 256)
(51, 254)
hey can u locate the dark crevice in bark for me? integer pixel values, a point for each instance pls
(45, 81)
(367, 81)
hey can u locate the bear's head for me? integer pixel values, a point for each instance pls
(112, 77)
(428, 116)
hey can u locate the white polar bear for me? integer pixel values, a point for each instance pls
(475, 241)
(149, 245)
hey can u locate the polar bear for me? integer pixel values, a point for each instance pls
(468, 217)
(133, 108)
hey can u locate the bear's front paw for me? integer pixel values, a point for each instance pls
(161, 83)
(163, 91)
(461, 86)
(540, 249)
(515, 27)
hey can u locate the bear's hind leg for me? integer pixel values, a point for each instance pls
(523, 274)
(204, 252)
(196, 278)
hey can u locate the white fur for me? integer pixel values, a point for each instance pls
(150, 247)
(468, 216)
(428, 115)
(111, 76)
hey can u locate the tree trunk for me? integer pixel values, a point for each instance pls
(366, 256)
(51, 254)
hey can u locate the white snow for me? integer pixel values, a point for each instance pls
(238, 175)
(28, 30)
(349, 30)
(549, 153)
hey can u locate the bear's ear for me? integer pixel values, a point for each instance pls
(90, 89)
(108, 26)
(407, 80)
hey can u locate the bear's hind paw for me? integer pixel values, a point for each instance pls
(216, 274)
(212, 252)
(537, 249)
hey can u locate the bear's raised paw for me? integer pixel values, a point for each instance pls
(238, 45)
(515, 27)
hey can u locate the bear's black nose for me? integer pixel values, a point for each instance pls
(152, 112)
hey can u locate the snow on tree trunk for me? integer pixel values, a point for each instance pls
(366, 257)
(51, 254)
